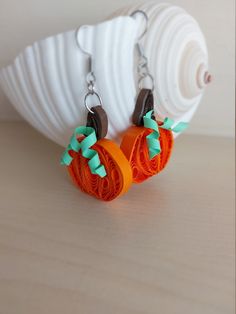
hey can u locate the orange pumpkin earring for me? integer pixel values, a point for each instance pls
(96, 165)
(148, 144)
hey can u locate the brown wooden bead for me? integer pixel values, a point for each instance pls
(97, 119)
(144, 103)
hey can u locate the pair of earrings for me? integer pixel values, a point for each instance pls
(98, 166)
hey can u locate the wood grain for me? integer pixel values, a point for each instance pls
(165, 247)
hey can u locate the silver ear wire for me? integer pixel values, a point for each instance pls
(82, 49)
(90, 78)
(143, 69)
(146, 19)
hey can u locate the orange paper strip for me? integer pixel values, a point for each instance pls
(134, 146)
(119, 174)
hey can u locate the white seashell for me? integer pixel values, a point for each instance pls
(178, 58)
(47, 82)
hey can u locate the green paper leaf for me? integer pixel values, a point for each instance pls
(89, 140)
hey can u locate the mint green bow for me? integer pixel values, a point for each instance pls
(168, 125)
(89, 140)
(153, 142)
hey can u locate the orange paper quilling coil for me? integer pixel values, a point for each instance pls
(167, 142)
(134, 146)
(117, 180)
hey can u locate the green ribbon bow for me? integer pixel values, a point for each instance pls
(153, 142)
(168, 125)
(89, 140)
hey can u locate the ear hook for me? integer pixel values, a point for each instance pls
(77, 41)
(91, 79)
(146, 19)
(143, 69)
(83, 50)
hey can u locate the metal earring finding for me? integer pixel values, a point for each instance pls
(143, 69)
(90, 78)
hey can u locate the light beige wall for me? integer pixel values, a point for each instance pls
(24, 21)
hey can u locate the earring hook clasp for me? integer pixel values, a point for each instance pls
(90, 78)
(143, 69)
(77, 40)
(146, 19)
(83, 50)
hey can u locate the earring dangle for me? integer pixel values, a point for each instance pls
(148, 144)
(97, 165)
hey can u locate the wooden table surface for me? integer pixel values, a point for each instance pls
(166, 247)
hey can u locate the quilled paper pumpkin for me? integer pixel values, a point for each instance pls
(134, 146)
(118, 172)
